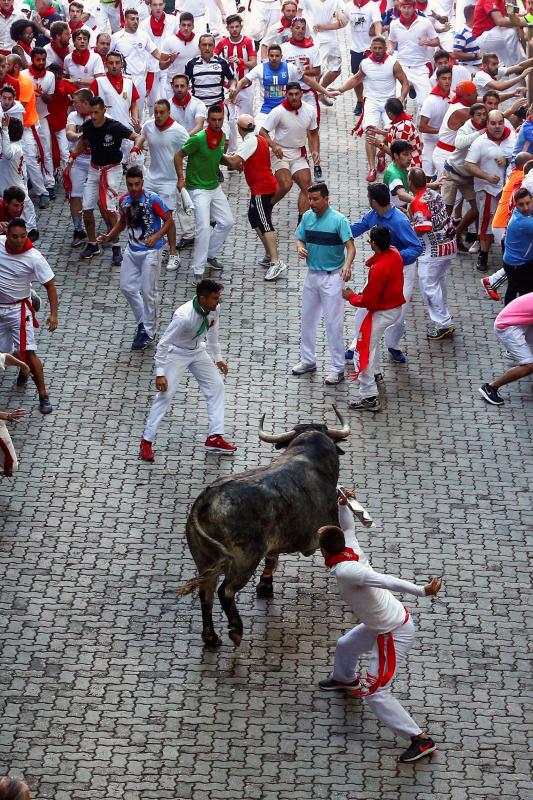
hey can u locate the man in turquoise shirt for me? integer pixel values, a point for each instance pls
(325, 241)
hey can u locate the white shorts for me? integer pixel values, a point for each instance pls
(293, 160)
(78, 176)
(374, 114)
(168, 199)
(91, 191)
(10, 329)
(330, 56)
(518, 340)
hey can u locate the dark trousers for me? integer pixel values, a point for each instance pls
(519, 280)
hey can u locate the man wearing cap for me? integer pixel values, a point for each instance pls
(253, 156)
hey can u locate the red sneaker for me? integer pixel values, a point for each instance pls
(372, 175)
(492, 293)
(217, 444)
(146, 452)
(381, 163)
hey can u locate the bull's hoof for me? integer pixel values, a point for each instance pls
(211, 639)
(265, 589)
(235, 636)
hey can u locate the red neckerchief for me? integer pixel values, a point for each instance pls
(421, 7)
(405, 22)
(402, 117)
(48, 12)
(284, 24)
(27, 246)
(348, 554)
(7, 13)
(506, 134)
(479, 127)
(439, 93)
(288, 106)
(27, 49)
(75, 26)
(166, 125)
(61, 52)
(157, 25)
(484, 69)
(456, 99)
(116, 81)
(37, 73)
(307, 42)
(373, 58)
(81, 57)
(184, 38)
(361, 3)
(182, 103)
(213, 139)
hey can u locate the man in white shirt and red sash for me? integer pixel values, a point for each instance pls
(239, 52)
(44, 84)
(159, 27)
(386, 631)
(83, 65)
(181, 48)
(59, 47)
(21, 264)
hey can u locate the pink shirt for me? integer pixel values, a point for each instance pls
(518, 312)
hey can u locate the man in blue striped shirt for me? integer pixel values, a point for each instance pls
(465, 48)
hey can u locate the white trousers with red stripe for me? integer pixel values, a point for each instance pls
(433, 282)
(383, 704)
(395, 332)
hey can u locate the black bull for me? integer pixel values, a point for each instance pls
(240, 520)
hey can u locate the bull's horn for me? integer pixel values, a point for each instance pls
(339, 433)
(274, 438)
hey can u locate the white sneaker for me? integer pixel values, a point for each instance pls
(474, 248)
(265, 262)
(334, 378)
(276, 268)
(300, 368)
(173, 262)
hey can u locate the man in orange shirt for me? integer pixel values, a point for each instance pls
(33, 149)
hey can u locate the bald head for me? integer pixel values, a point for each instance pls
(522, 159)
(417, 179)
(245, 122)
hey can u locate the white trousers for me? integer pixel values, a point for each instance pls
(33, 163)
(209, 204)
(244, 105)
(322, 296)
(108, 14)
(263, 16)
(505, 43)
(46, 140)
(365, 385)
(397, 329)
(8, 457)
(419, 78)
(433, 282)
(28, 212)
(62, 143)
(383, 704)
(139, 276)
(209, 380)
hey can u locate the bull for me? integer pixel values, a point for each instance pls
(238, 521)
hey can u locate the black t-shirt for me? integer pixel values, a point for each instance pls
(105, 141)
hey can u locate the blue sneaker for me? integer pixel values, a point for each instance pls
(397, 356)
(45, 406)
(142, 340)
(348, 355)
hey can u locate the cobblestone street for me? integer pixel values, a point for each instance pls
(106, 690)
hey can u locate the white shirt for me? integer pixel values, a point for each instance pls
(180, 338)
(195, 7)
(291, 127)
(6, 42)
(94, 66)
(118, 104)
(379, 83)
(366, 592)
(434, 108)
(52, 57)
(484, 152)
(17, 272)
(187, 116)
(466, 135)
(135, 48)
(320, 12)
(459, 73)
(12, 163)
(48, 86)
(163, 145)
(301, 58)
(247, 147)
(184, 51)
(171, 25)
(409, 52)
(481, 79)
(360, 20)
(76, 119)
(16, 110)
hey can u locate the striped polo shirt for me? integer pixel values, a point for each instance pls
(324, 239)
(466, 43)
(207, 78)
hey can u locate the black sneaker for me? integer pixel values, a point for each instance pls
(412, 91)
(78, 237)
(491, 395)
(482, 262)
(90, 250)
(215, 264)
(135, 345)
(331, 685)
(52, 193)
(183, 242)
(420, 747)
(116, 259)
(317, 172)
(367, 404)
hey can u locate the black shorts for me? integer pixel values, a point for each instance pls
(355, 61)
(260, 212)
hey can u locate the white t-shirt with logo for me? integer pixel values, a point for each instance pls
(301, 58)
(135, 48)
(360, 20)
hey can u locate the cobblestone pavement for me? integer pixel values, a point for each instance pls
(107, 691)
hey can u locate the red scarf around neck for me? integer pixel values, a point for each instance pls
(456, 99)
(81, 57)
(288, 106)
(404, 116)
(479, 127)
(506, 134)
(117, 82)
(48, 12)
(373, 58)
(361, 3)
(61, 52)
(37, 73)
(75, 26)
(213, 138)
(439, 93)
(348, 554)
(157, 25)
(185, 38)
(284, 24)
(165, 125)
(406, 23)
(7, 13)
(307, 42)
(27, 246)
(26, 47)
(182, 103)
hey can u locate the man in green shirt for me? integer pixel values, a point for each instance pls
(396, 177)
(204, 151)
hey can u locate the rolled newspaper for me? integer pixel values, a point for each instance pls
(360, 513)
(188, 205)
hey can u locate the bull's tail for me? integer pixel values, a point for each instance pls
(212, 572)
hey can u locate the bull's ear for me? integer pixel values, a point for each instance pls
(339, 451)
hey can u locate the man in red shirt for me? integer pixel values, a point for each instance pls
(496, 32)
(253, 157)
(379, 306)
